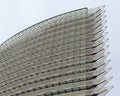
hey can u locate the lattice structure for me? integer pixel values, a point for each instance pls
(62, 56)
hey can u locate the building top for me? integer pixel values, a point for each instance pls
(49, 23)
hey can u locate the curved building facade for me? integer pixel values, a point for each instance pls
(62, 56)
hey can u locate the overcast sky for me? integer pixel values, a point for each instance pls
(16, 15)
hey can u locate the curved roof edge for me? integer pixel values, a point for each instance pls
(41, 22)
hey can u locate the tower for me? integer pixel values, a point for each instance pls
(62, 56)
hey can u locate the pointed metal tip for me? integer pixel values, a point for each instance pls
(104, 6)
(109, 78)
(109, 88)
(108, 69)
(108, 61)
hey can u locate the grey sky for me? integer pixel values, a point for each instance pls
(16, 15)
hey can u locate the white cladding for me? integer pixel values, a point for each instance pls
(63, 56)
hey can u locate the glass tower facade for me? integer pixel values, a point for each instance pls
(62, 56)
